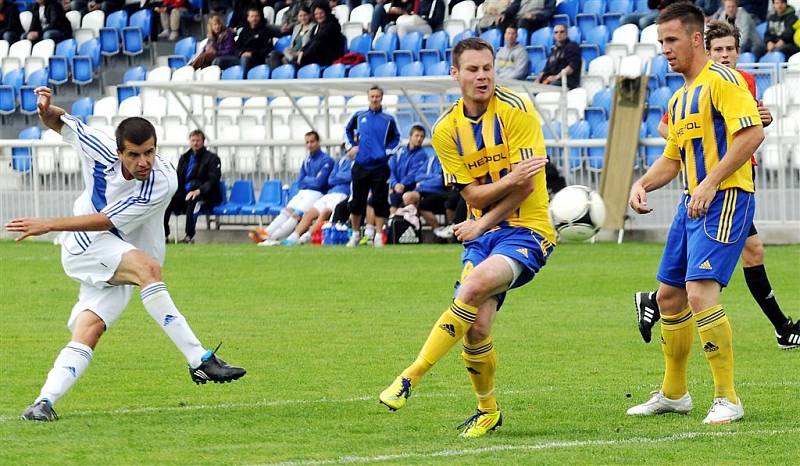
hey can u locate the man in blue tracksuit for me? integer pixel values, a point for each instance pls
(405, 164)
(371, 136)
(432, 197)
(320, 212)
(312, 181)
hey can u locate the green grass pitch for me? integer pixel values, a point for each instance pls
(323, 330)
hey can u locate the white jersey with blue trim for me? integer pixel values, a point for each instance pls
(136, 208)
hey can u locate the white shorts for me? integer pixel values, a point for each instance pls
(303, 200)
(92, 269)
(329, 201)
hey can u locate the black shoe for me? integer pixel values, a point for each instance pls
(188, 240)
(215, 370)
(646, 313)
(789, 338)
(39, 411)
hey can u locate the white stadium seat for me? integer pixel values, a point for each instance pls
(74, 18)
(25, 18)
(630, 66)
(627, 34)
(107, 107)
(132, 106)
(94, 20)
(465, 11)
(362, 14)
(4, 46)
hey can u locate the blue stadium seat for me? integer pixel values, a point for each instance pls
(574, 34)
(578, 130)
(652, 153)
(233, 73)
(334, 71)
(543, 37)
(658, 71)
(283, 72)
(602, 99)
(536, 56)
(761, 29)
(21, 156)
(493, 36)
(359, 71)
(8, 100)
(437, 42)
(241, 195)
(440, 68)
(270, 196)
(110, 35)
(747, 57)
(58, 69)
(142, 19)
(382, 49)
(282, 43)
(402, 57)
(132, 41)
(773, 57)
(598, 36)
(82, 108)
(641, 5)
(387, 70)
(259, 72)
(184, 51)
(27, 99)
(594, 116)
(589, 52)
(567, 9)
(554, 134)
(15, 79)
(652, 118)
(461, 36)
(66, 48)
(286, 194)
(673, 81)
(620, 6)
(411, 42)
(310, 71)
(136, 73)
(586, 22)
(597, 7)
(361, 44)
(659, 97)
(763, 80)
(429, 57)
(596, 155)
(611, 21)
(412, 69)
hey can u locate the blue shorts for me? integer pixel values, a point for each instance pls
(525, 246)
(708, 247)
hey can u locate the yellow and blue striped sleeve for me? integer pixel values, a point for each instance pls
(524, 131)
(732, 99)
(444, 143)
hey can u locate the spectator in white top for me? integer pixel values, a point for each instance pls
(732, 13)
(511, 61)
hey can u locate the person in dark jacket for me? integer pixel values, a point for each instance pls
(432, 11)
(529, 14)
(326, 42)
(49, 22)
(10, 27)
(219, 44)
(565, 56)
(198, 183)
(779, 35)
(253, 44)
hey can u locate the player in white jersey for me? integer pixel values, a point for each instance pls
(114, 241)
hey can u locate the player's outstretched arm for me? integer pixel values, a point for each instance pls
(481, 196)
(49, 114)
(662, 172)
(39, 226)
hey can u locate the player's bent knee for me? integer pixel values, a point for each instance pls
(478, 332)
(671, 300)
(753, 253)
(139, 268)
(88, 328)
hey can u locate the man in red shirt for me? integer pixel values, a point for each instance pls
(722, 46)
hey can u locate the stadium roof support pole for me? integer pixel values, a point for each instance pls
(185, 108)
(300, 110)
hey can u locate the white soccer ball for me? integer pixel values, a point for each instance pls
(577, 213)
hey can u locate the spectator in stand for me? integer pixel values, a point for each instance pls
(709, 7)
(404, 166)
(455, 2)
(733, 14)
(49, 22)
(493, 14)
(370, 137)
(326, 43)
(198, 184)
(81, 6)
(530, 14)
(564, 57)
(426, 16)
(511, 61)
(300, 36)
(432, 197)
(381, 17)
(321, 211)
(253, 44)
(289, 20)
(10, 27)
(108, 6)
(170, 14)
(780, 32)
(313, 181)
(219, 44)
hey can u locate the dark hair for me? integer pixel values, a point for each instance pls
(135, 130)
(417, 127)
(470, 43)
(304, 8)
(690, 16)
(198, 132)
(719, 29)
(375, 88)
(257, 10)
(313, 133)
(324, 6)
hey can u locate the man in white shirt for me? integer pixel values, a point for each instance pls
(511, 61)
(114, 241)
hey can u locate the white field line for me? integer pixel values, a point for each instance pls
(272, 403)
(552, 445)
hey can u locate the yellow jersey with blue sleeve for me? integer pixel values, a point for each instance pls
(703, 119)
(483, 149)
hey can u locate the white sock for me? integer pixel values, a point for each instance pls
(276, 224)
(293, 237)
(159, 305)
(369, 231)
(284, 230)
(70, 364)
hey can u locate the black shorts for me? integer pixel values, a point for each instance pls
(752, 231)
(433, 202)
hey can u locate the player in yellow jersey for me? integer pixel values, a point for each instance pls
(491, 148)
(714, 127)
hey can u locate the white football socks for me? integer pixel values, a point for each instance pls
(69, 365)
(159, 305)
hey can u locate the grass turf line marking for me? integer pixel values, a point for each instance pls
(555, 445)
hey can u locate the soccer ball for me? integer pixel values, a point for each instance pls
(577, 212)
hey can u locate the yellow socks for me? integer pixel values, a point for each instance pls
(677, 336)
(717, 338)
(480, 360)
(449, 329)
